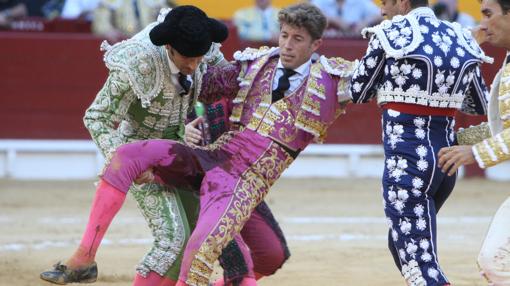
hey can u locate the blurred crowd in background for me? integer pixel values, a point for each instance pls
(119, 19)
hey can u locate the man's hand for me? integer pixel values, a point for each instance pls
(193, 135)
(451, 158)
(145, 177)
(479, 35)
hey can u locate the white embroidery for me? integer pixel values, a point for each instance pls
(393, 113)
(371, 62)
(394, 134)
(438, 61)
(426, 257)
(454, 62)
(417, 73)
(443, 41)
(460, 52)
(411, 249)
(405, 227)
(357, 86)
(394, 235)
(424, 244)
(417, 185)
(398, 199)
(419, 210)
(421, 224)
(433, 273)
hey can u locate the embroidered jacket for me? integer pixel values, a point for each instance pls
(495, 149)
(419, 59)
(298, 118)
(138, 100)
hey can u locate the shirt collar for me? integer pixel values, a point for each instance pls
(302, 70)
(173, 68)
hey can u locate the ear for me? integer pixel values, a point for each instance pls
(316, 44)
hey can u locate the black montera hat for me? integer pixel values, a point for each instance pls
(188, 30)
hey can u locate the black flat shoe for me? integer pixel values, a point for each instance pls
(62, 275)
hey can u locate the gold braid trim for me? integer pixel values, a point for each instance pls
(473, 134)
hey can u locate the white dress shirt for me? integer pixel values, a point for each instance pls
(174, 74)
(295, 80)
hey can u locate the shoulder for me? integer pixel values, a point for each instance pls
(398, 36)
(141, 62)
(336, 66)
(251, 54)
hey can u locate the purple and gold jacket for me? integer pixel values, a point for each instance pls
(294, 121)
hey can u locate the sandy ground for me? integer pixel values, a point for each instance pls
(335, 230)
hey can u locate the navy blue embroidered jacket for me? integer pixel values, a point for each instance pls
(419, 59)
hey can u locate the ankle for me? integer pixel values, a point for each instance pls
(81, 258)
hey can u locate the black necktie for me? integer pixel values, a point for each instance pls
(185, 83)
(283, 84)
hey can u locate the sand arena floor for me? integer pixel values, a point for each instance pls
(335, 229)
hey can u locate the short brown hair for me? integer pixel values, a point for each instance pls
(504, 4)
(304, 15)
(419, 3)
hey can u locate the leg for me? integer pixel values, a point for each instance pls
(223, 212)
(128, 162)
(265, 239)
(439, 198)
(411, 185)
(494, 257)
(81, 266)
(236, 263)
(167, 218)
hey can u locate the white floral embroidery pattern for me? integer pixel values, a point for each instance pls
(405, 226)
(454, 62)
(400, 37)
(444, 83)
(357, 86)
(394, 134)
(424, 244)
(393, 113)
(460, 52)
(412, 274)
(411, 249)
(398, 199)
(422, 164)
(417, 185)
(433, 273)
(438, 61)
(443, 41)
(419, 132)
(396, 167)
(428, 49)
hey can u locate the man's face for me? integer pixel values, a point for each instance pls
(296, 45)
(186, 65)
(391, 8)
(263, 4)
(495, 24)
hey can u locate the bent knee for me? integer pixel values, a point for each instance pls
(269, 262)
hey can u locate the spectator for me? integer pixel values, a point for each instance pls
(11, 10)
(449, 10)
(119, 19)
(47, 9)
(258, 23)
(349, 17)
(79, 9)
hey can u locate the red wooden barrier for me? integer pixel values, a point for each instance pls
(47, 80)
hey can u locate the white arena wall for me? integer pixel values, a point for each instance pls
(80, 159)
